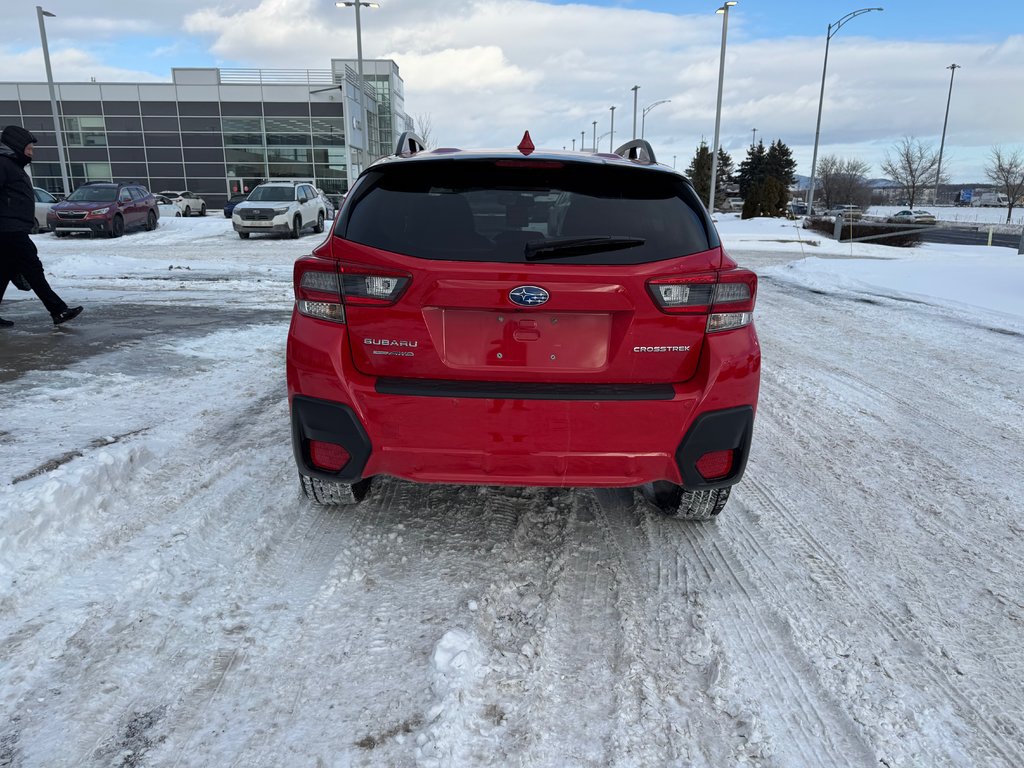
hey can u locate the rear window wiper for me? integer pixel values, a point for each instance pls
(576, 246)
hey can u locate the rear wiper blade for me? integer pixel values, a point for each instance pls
(576, 246)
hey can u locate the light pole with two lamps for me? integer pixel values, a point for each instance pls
(648, 108)
(53, 99)
(832, 29)
(359, 65)
(724, 10)
(938, 168)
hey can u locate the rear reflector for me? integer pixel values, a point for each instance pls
(715, 464)
(329, 456)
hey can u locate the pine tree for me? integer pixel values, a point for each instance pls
(751, 170)
(765, 177)
(699, 171)
(723, 176)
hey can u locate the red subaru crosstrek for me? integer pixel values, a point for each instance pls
(523, 317)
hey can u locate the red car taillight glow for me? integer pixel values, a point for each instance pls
(323, 288)
(727, 298)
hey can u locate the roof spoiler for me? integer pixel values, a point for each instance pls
(409, 144)
(637, 149)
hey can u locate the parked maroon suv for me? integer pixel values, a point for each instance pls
(104, 208)
(524, 317)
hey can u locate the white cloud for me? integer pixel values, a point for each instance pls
(485, 70)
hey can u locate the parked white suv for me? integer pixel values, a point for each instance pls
(281, 207)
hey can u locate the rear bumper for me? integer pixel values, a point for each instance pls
(570, 435)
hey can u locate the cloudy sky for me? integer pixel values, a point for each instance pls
(483, 71)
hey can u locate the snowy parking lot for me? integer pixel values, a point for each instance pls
(167, 597)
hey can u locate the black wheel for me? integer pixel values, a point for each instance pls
(188, 211)
(35, 226)
(117, 227)
(60, 234)
(202, 211)
(681, 504)
(150, 221)
(319, 223)
(296, 227)
(334, 494)
(244, 235)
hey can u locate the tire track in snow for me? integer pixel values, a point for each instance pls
(1004, 740)
(818, 731)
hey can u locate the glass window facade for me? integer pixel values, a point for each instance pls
(205, 146)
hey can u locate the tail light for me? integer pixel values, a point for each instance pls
(727, 298)
(323, 287)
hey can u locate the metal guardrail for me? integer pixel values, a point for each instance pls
(277, 76)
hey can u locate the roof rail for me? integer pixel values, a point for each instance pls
(637, 149)
(409, 144)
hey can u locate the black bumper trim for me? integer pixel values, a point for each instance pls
(730, 429)
(329, 422)
(511, 390)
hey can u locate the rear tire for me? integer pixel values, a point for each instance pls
(334, 494)
(681, 504)
(150, 221)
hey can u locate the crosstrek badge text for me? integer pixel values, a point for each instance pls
(661, 349)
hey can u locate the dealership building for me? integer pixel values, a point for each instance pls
(214, 131)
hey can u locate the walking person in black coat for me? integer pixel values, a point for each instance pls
(18, 255)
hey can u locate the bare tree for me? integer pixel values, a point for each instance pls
(913, 167)
(1006, 170)
(425, 130)
(843, 182)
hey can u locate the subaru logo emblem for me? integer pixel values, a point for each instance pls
(528, 296)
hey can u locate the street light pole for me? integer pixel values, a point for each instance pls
(753, 137)
(583, 136)
(938, 169)
(724, 10)
(634, 89)
(611, 133)
(53, 100)
(595, 137)
(645, 110)
(832, 29)
(359, 65)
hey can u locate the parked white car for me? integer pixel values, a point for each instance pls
(282, 207)
(190, 202)
(44, 202)
(168, 208)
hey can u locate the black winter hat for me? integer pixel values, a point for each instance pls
(17, 138)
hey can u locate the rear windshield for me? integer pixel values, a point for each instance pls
(485, 211)
(94, 195)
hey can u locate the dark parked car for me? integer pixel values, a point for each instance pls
(104, 208)
(231, 203)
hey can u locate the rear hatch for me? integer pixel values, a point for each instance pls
(523, 271)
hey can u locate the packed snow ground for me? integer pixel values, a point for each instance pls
(168, 599)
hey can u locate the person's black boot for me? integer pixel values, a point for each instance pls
(67, 314)
(5, 323)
